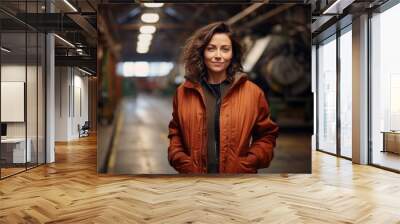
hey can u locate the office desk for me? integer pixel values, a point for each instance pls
(15, 148)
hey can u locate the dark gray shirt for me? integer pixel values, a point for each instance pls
(214, 94)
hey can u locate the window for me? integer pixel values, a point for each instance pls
(346, 92)
(327, 95)
(385, 88)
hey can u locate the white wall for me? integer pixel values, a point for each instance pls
(33, 126)
(12, 73)
(71, 94)
(62, 81)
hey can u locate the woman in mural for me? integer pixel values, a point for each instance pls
(221, 120)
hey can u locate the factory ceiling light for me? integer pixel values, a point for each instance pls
(5, 50)
(145, 37)
(70, 5)
(142, 50)
(153, 5)
(150, 17)
(255, 53)
(143, 43)
(142, 46)
(147, 29)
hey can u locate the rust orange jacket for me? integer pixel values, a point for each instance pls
(247, 135)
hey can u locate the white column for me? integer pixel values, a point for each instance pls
(360, 90)
(50, 93)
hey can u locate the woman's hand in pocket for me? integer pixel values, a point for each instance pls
(248, 164)
(186, 166)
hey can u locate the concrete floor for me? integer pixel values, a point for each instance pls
(141, 141)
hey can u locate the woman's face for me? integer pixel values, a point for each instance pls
(218, 53)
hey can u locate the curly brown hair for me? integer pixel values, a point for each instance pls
(195, 45)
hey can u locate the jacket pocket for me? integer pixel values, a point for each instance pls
(245, 165)
(235, 164)
(188, 167)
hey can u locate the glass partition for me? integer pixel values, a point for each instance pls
(22, 89)
(31, 99)
(13, 108)
(33, 72)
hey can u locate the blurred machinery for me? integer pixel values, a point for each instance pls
(284, 73)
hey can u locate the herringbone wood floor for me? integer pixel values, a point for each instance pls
(70, 191)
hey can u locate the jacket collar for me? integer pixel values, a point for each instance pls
(194, 83)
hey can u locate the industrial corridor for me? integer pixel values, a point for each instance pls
(141, 136)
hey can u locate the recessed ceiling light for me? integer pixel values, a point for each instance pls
(65, 41)
(84, 71)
